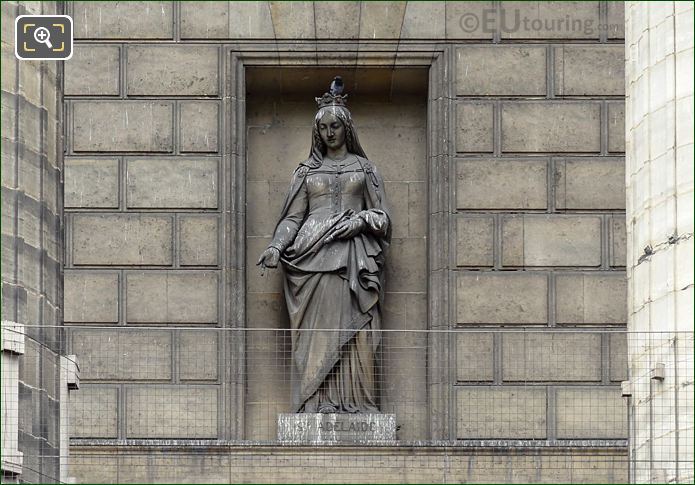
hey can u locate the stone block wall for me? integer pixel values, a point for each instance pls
(32, 252)
(538, 229)
(524, 134)
(144, 198)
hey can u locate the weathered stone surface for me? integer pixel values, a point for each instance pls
(381, 20)
(204, 20)
(182, 297)
(501, 412)
(293, 20)
(189, 70)
(117, 239)
(615, 19)
(198, 236)
(94, 412)
(555, 240)
(519, 184)
(407, 260)
(557, 356)
(591, 298)
(91, 182)
(618, 356)
(123, 354)
(475, 241)
(424, 20)
(198, 355)
(123, 20)
(337, 20)
(93, 70)
(590, 70)
(515, 298)
(616, 127)
(172, 183)
(549, 20)
(469, 20)
(91, 297)
(618, 241)
(327, 429)
(171, 412)
(474, 357)
(474, 130)
(199, 126)
(591, 412)
(114, 126)
(250, 20)
(597, 183)
(551, 127)
(500, 71)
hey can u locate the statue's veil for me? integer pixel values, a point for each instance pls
(318, 147)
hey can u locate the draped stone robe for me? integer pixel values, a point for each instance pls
(333, 290)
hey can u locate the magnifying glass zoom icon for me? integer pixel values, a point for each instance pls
(43, 36)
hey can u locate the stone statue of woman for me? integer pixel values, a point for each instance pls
(332, 238)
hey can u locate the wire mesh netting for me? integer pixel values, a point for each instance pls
(185, 404)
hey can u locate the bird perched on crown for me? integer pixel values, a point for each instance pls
(333, 96)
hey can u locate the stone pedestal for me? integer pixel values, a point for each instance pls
(328, 429)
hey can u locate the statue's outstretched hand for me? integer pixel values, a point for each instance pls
(269, 258)
(347, 229)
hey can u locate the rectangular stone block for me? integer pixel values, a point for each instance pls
(591, 412)
(474, 127)
(591, 298)
(182, 297)
(122, 126)
(546, 126)
(189, 70)
(198, 236)
(250, 20)
(93, 70)
(618, 239)
(116, 239)
(90, 297)
(464, 20)
(597, 183)
(475, 241)
(549, 20)
(556, 356)
(615, 18)
(500, 71)
(618, 356)
(501, 412)
(199, 126)
(198, 355)
(91, 182)
(123, 354)
(94, 412)
(590, 70)
(172, 183)
(519, 184)
(474, 357)
(171, 412)
(551, 240)
(123, 20)
(616, 127)
(516, 298)
(206, 20)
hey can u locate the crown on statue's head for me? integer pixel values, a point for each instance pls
(334, 95)
(329, 99)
